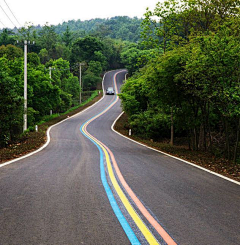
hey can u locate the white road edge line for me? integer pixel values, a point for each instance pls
(192, 164)
(48, 131)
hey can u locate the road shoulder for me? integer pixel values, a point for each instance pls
(229, 173)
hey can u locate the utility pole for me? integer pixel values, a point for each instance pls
(50, 72)
(25, 88)
(26, 43)
(80, 81)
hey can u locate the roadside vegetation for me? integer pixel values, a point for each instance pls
(180, 149)
(31, 140)
(53, 68)
(186, 81)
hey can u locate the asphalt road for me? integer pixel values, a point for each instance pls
(57, 196)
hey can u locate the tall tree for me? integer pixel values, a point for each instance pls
(48, 39)
(10, 105)
(67, 37)
(7, 37)
(84, 49)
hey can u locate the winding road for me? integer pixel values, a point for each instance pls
(90, 185)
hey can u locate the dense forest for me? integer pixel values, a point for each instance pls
(119, 27)
(54, 55)
(187, 78)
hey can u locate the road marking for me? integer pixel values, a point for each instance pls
(125, 225)
(139, 204)
(142, 227)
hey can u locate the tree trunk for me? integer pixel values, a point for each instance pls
(189, 140)
(237, 140)
(227, 139)
(209, 129)
(195, 143)
(172, 128)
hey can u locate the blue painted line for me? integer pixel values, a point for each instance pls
(126, 227)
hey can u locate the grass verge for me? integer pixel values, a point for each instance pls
(203, 159)
(31, 141)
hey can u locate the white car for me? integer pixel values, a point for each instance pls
(110, 91)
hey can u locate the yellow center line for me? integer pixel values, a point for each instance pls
(138, 221)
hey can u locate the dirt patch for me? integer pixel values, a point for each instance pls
(203, 159)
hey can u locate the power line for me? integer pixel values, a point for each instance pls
(12, 13)
(2, 24)
(7, 15)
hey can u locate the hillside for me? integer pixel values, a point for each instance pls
(119, 27)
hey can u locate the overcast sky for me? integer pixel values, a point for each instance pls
(57, 11)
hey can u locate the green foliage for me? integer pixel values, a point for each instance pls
(31, 116)
(10, 105)
(91, 51)
(196, 79)
(135, 58)
(119, 27)
(52, 52)
(48, 37)
(71, 86)
(63, 78)
(26, 33)
(95, 67)
(112, 50)
(44, 55)
(150, 124)
(66, 101)
(90, 81)
(67, 37)
(7, 37)
(162, 25)
(86, 49)
(42, 95)
(33, 59)
(10, 51)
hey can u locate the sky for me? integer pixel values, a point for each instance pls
(57, 11)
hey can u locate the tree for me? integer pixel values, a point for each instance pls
(112, 50)
(212, 75)
(42, 95)
(33, 59)
(10, 51)
(67, 37)
(44, 55)
(95, 67)
(135, 58)
(84, 49)
(48, 39)
(197, 77)
(11, 108)
(162, 25)
(26, 33)
(63, 78)
(7, 37)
